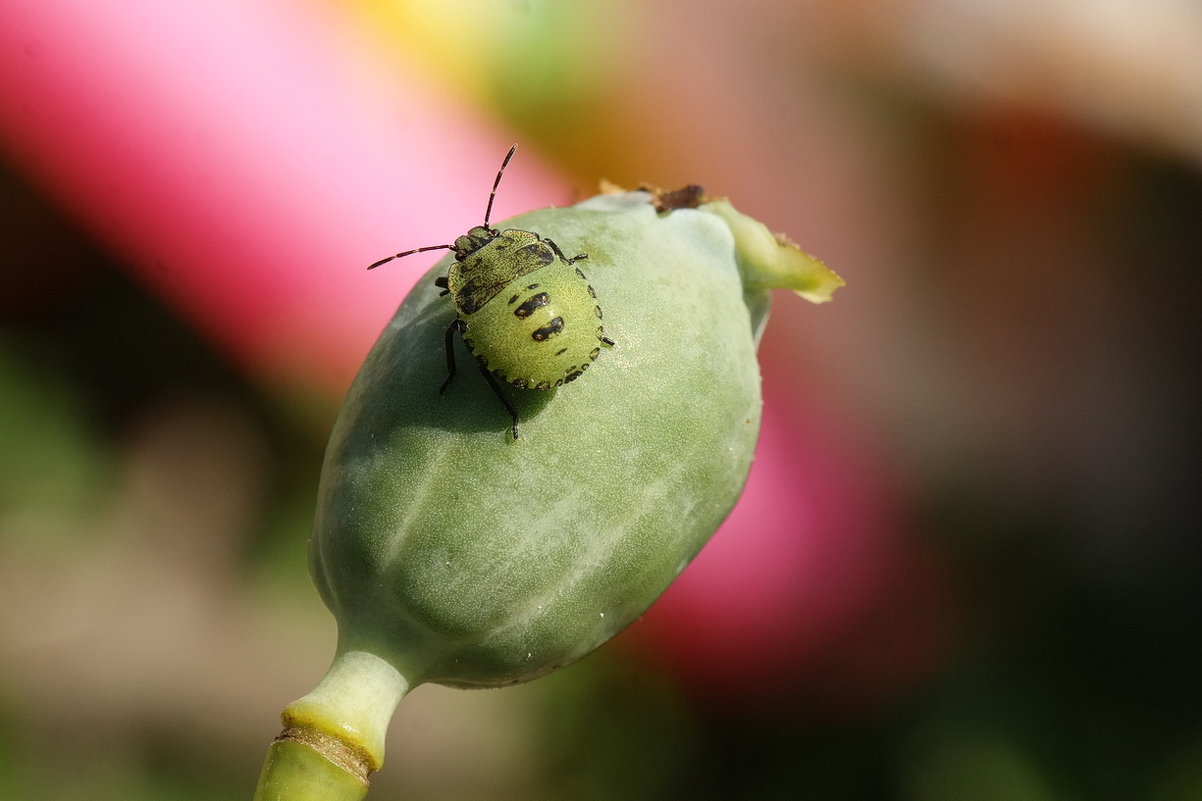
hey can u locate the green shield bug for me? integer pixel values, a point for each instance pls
(526, 312)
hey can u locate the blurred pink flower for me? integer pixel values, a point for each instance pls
(812, 580)
(249, 159)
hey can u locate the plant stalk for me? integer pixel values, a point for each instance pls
(333, 738)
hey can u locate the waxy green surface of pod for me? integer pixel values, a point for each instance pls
(462, 556)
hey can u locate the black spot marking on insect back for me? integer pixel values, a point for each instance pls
(592, 293)
(580, 273)
(531, 303)
(597, 311)
(561, 351)
(547, 331)
(512, 300)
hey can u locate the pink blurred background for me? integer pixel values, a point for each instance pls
(971, 516)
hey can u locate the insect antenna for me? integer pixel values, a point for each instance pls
(492, 195)
(487, 214)
(374, 265)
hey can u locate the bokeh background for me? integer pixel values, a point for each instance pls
(967, 562)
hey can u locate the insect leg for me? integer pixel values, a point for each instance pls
(496, 388)
(563, 258)
(456, 325)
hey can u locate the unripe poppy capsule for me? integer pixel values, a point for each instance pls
(451, 552)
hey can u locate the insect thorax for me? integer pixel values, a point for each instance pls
(478, 275)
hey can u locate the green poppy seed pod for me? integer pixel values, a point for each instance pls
(459, 555)
(465, 557)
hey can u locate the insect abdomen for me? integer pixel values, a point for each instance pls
(541, 331)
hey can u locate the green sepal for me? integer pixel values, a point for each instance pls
(773, 261)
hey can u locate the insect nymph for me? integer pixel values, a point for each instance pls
(526, 312)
